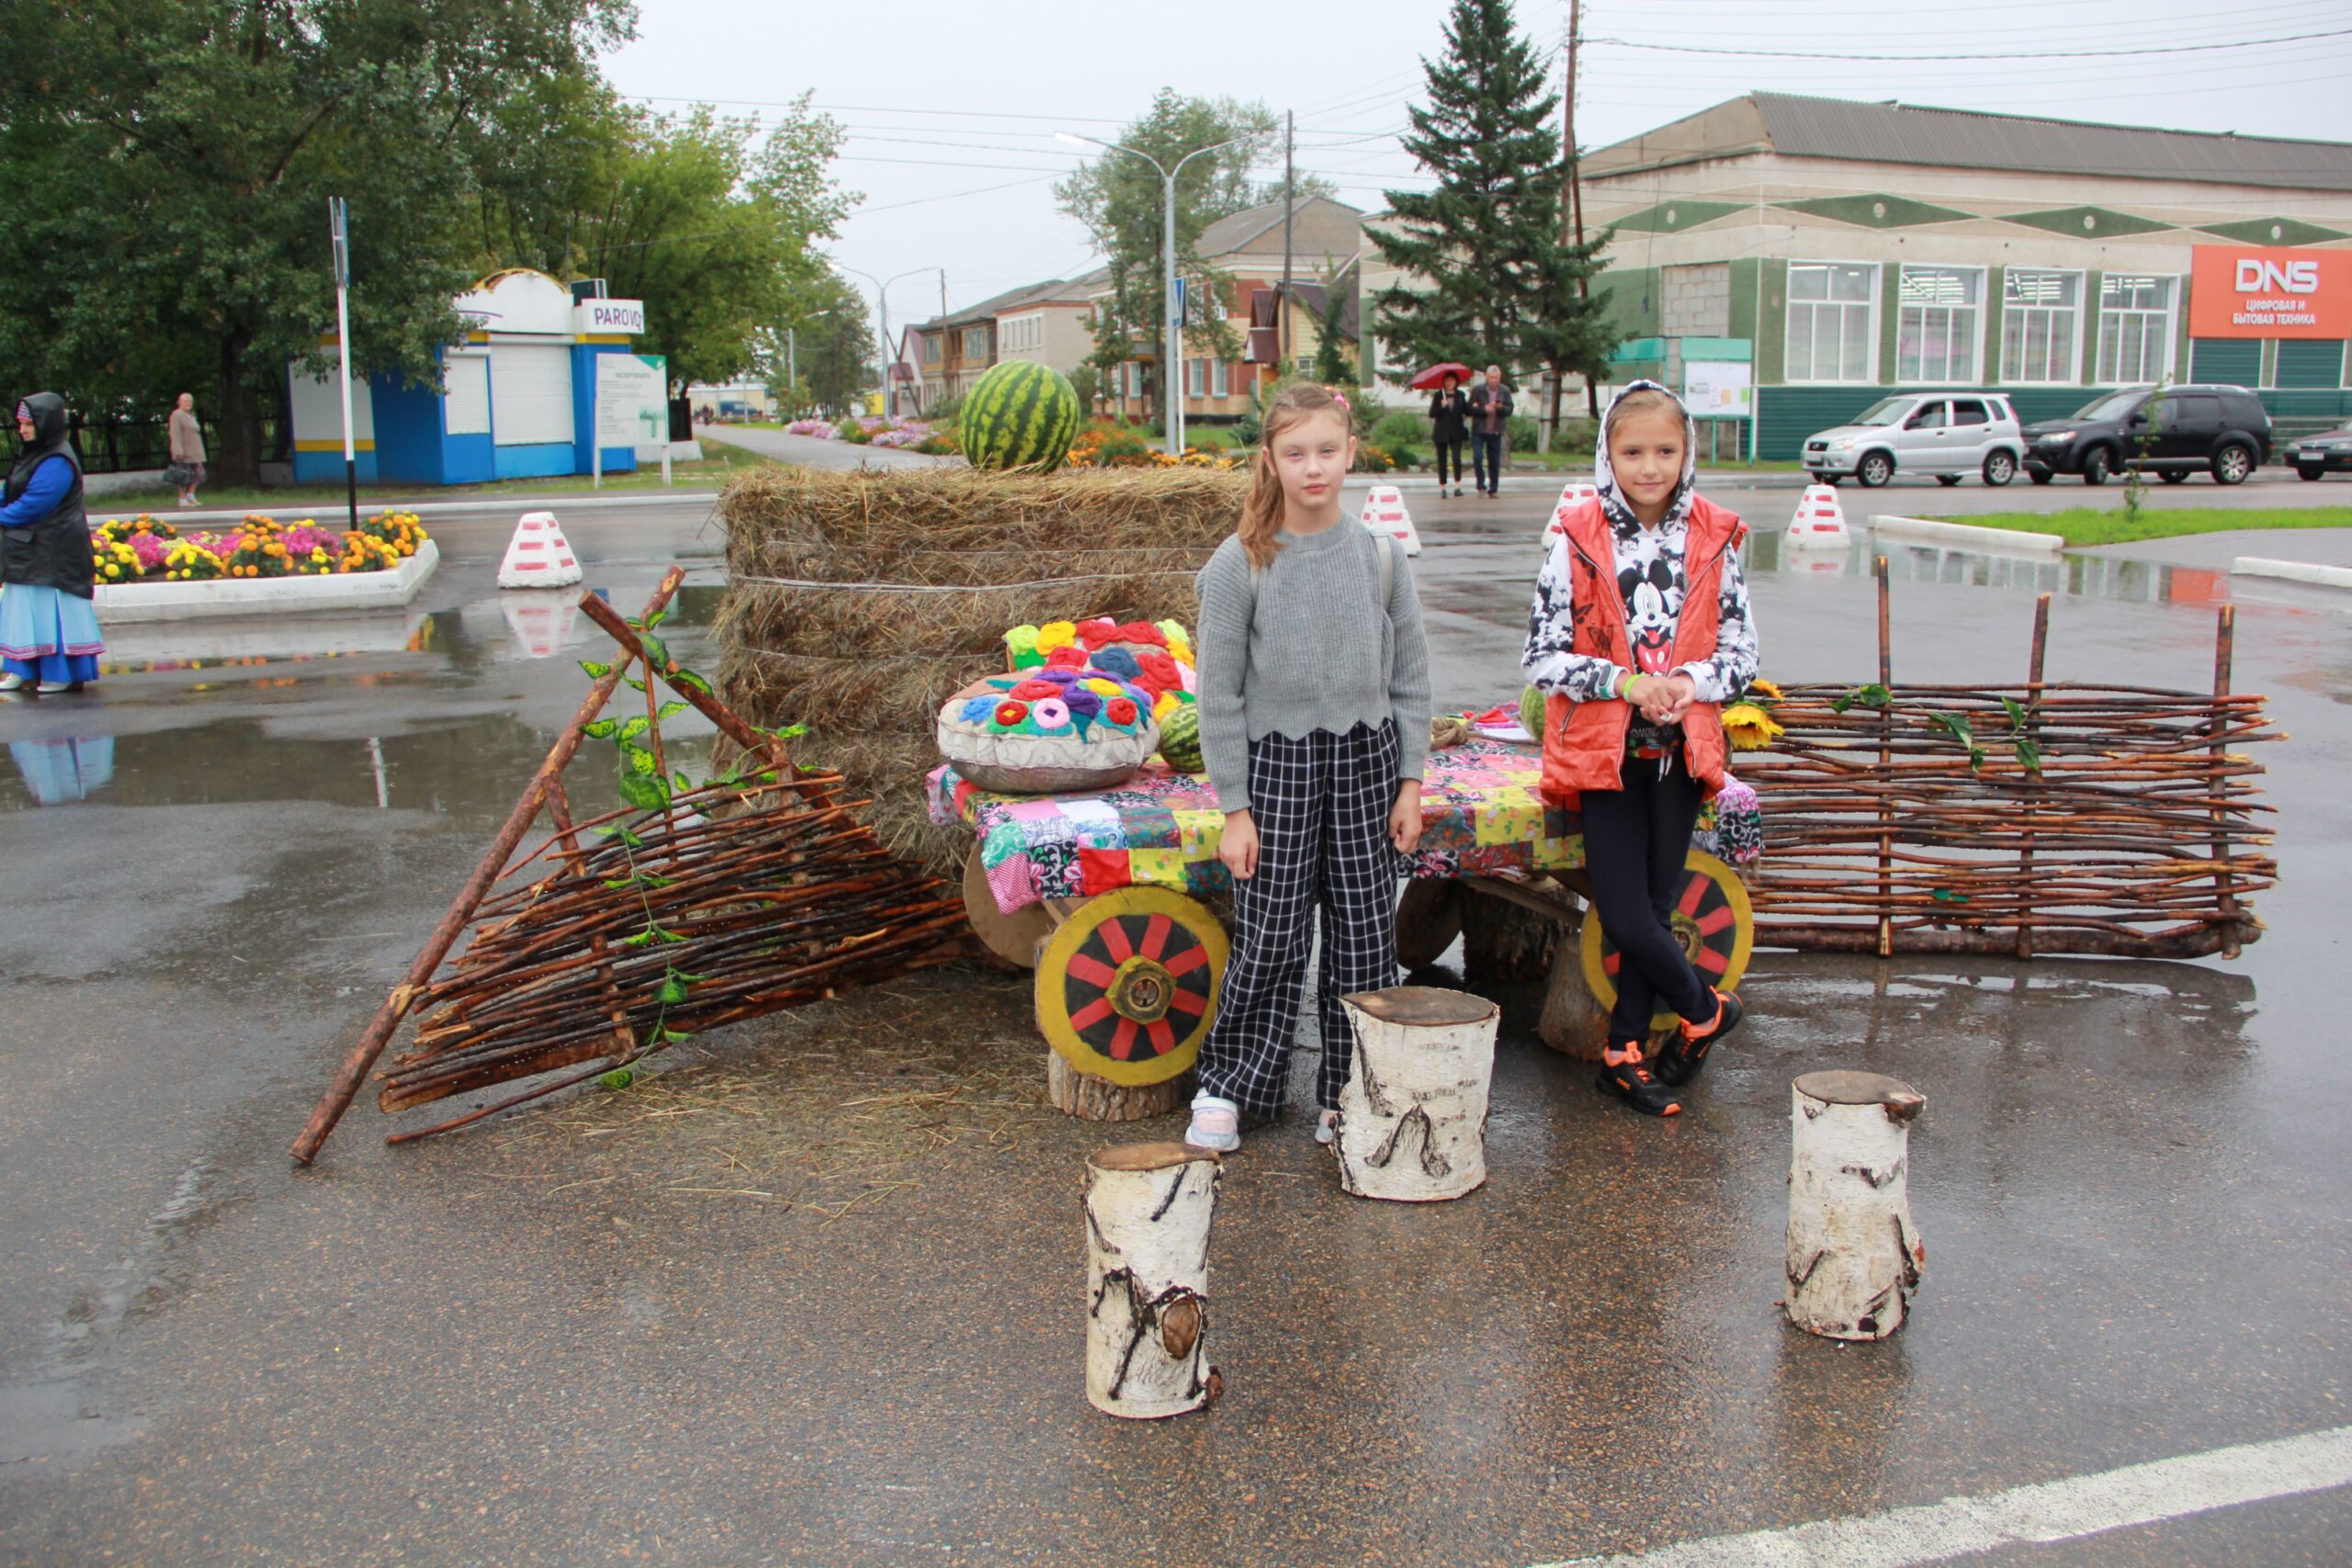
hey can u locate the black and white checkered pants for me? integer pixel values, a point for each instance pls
(1321, 807)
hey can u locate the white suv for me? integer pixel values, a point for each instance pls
(1949, 435)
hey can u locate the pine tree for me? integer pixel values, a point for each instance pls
(1493, 279)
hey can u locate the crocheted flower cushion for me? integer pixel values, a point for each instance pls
(1157, 658)
(1048, 730)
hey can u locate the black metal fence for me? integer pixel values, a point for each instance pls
(123, 443)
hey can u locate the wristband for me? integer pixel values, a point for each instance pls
(1626, 685)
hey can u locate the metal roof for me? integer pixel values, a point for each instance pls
(1800, 127)
(1317, 223)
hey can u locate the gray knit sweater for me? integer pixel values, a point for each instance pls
(1305, 646)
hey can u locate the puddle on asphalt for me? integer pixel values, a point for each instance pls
(2073, 576)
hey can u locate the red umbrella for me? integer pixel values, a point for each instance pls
(1428, 380)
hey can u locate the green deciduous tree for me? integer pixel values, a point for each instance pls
(1492, 278)
(1119, 199)
(169, 164)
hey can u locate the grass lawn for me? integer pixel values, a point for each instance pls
(719, 460)
(2108, 525)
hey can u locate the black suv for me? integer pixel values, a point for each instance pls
(2171, 431)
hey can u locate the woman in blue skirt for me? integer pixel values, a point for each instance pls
(49, 627)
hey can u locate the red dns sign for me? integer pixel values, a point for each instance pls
(2269, 291)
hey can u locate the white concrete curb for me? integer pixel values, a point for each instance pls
(2292, 571)
(1995, 541)
(123, 603)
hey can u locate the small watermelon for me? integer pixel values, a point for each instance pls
(1180, 739)
(1021, 415)
(1531, 710)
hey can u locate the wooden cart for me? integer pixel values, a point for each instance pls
(1109, 897)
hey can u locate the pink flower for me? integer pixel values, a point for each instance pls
(1051, 714)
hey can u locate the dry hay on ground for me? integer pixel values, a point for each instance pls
(870, 1085)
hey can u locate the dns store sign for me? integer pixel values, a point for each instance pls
(2238, 291)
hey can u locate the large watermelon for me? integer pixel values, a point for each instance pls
(1180, 738)
(1022, 415)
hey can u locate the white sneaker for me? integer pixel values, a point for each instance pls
(1327, 1128)
(12, 682)
(52, 688)
(1216, 1125)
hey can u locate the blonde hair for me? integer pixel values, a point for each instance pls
(1641, 401)
(1261, 515)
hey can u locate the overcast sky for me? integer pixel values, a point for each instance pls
(952, 108)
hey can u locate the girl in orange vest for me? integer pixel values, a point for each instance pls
(1640, 633)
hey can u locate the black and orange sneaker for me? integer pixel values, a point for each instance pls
(1685, 1055)
(1633, 1082)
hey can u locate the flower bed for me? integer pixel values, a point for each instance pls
(865, 432)
(150, 549)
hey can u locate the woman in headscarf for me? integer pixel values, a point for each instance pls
(49, 625)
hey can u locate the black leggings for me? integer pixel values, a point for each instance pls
(1449, 452)
(1636, 841)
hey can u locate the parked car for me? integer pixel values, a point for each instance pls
(1949, 435)
(2329, 452)
(2171, 431)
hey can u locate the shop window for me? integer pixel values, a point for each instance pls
(1832, 326)
(2135, 327)
(1939, 312)
(2041, 315)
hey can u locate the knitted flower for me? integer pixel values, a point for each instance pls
(1165, 703)
(1143, 632)
(1119, 710)
(1119, 661)
(1008, 714)
(1056, 634)
(1102, 687)
(1094, 634)
(1160, 671)
(1180, 642)
(1022, 639)
(1051, 714)
(1035, 689)
(978, 709)
(1071, 657)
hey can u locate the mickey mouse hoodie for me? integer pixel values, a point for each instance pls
(1650, 577)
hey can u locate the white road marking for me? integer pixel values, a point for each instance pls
(2050, 1511)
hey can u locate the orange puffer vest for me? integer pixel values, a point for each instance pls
(1584, 743)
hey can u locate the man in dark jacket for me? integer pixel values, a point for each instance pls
(1489, 410)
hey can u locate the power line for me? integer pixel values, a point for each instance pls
(2004, 55)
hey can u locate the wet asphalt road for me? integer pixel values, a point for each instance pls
(2130, 1177)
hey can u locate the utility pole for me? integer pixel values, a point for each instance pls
(1282, 301)
(1576, 188)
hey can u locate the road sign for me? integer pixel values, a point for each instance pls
(1179, 313)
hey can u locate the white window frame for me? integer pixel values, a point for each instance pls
(1870, 308)
(1134, 378)
(2015, 311)
(1954, 335)
(1196, 377)
(2169, 317)
(1220, 379)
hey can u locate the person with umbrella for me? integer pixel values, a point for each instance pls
(1449, 418)
(49, 625)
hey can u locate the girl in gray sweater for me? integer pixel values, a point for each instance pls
(1315, 722)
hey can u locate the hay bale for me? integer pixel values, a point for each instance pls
(858, 603)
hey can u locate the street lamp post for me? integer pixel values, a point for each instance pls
(882, 298)
(792, 355)
(1172, 345)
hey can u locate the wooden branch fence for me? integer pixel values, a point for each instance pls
(738, 898)
(2043, 817)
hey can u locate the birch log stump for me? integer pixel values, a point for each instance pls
(1147, 1211)
(1413, 1115)
(1854, 1256)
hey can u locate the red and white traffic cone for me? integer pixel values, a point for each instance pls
(538, 555)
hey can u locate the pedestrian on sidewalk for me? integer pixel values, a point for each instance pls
(187, 468)
(1639, 635)
(1315, 722)
(1490, 407)
(1450, 429)
(49, 627)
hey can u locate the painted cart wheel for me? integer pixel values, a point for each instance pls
(1713, 920)
(1128, 985)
